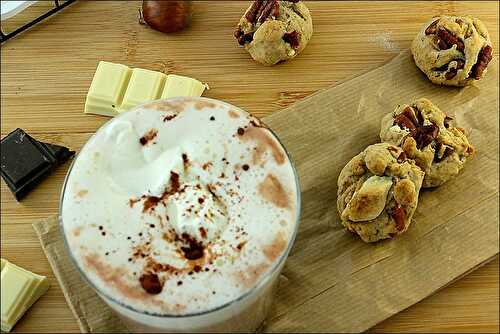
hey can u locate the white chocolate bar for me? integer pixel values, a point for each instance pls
(116, 88)
(20, 289)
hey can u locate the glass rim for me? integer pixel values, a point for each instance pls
(260, 282)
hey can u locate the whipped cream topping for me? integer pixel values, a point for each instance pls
(179, 206)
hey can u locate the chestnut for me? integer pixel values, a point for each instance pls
(166, 16)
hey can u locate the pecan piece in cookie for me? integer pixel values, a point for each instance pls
(483, 59)
(405, 122)
(439, 149)
(292, 38)
(447, 40)
(432, 28)
(398, 214)
(453, 71)
(447, 120)
(242, 37)
(442, 152)
(261, 10)
(423, 134)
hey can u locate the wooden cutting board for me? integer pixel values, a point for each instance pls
(46, 72)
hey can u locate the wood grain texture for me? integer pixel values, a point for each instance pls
(45, 74)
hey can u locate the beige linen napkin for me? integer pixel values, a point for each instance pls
(333, 281)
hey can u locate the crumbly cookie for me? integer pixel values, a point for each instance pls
(378, 192)
(273, 31)
(453, 50)
(425, 134)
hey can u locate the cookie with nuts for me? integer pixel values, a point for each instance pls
(273, 31)
(453, 50)
(378, 192)
(426, 135)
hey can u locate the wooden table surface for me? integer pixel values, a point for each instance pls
(46, 71)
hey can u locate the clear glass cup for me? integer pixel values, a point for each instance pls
(246, 313)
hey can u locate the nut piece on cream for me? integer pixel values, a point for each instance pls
(369, 201)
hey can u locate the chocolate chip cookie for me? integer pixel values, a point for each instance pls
(273, 31)
(426, 135)
(378, 192)
(453, 50)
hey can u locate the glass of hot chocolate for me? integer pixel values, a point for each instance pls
(180, 214)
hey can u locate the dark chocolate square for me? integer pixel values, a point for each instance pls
(26, 161)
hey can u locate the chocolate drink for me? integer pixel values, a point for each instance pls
(180, 214)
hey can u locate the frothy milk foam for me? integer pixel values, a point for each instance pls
(179, 206)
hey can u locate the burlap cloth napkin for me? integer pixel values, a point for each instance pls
(332, 280)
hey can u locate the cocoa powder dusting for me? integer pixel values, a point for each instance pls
(276, 248)
(77, 231)
(185, 160)
(203, 232)
(233, 114)
(169, 117)
(150, 203)
(250, 275)
(174, 182)
(148, 136)
(272, 190)
(82, 193)
(241, 245)
(170, 106)
(264, 141)
(206, 165)
(132, 201)
(114, 276)
(151, 283)
(199, 105)
(194, 249)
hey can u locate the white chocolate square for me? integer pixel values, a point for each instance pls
(107, 89)
(177, 85)
(144, 86)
